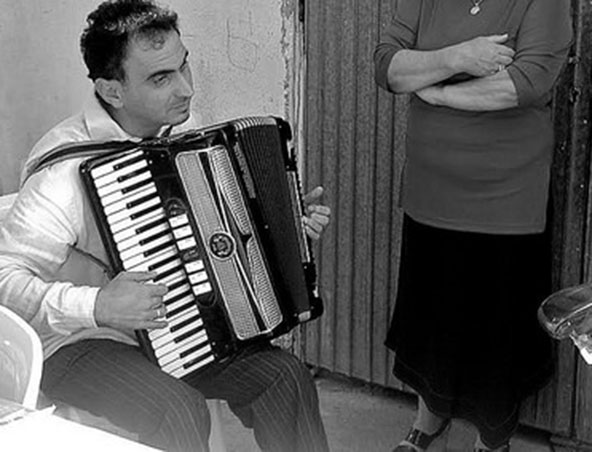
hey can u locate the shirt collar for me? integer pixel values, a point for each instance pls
(102, 127)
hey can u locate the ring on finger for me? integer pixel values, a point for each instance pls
(500, 67)
(160, 312)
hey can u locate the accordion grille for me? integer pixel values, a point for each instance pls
(215, 202)
(265, 299)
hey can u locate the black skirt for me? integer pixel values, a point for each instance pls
(465, 329)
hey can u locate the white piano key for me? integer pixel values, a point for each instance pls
(112, 177)
(125, 184)
(175, 354)
(132, 231)
(158, 341)
(134, 262)
(175, 263)
(181, 302)
(134, 251)
(144, 265)
(127, 213)
(182, 371)
(129, 223)
(109, 167)
(137, 238)
(123, 203)
(198, 339)
(164, 345)
(118, 196)
(185, 315)
(178, 291)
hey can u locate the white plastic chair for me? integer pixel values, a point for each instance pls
(21, 360)
(21, 355)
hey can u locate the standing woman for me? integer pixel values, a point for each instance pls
(475, 259)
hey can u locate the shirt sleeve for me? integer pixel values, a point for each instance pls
(400, 34)
(542, 45)
(35, 241)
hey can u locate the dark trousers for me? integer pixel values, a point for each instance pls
(269, 389)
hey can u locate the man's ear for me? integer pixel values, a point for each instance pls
(110, 91)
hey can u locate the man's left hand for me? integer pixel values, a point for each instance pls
(316, 216)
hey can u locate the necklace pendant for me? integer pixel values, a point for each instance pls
(475, 10)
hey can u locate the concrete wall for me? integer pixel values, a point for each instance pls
(242, 56)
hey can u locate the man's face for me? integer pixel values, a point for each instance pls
(158, 86)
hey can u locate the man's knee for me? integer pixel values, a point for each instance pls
(183, 420)
(294, 376)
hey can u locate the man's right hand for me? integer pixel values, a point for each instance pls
(129, 301)
(482, 56)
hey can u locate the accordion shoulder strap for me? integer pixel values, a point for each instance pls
(70, 151)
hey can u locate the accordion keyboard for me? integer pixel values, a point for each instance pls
(149, 237)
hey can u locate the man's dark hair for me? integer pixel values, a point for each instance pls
(112, 26)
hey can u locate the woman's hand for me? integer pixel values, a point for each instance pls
(430, 94)
(482, 56)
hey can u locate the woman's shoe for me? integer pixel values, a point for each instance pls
(418, 441)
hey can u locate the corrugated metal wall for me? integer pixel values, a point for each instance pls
(356, 153)
(354, 137)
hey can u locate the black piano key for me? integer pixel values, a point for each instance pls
(127, 176)
(136, 186)
(156, 236)
(187, 335)
(146, 211)
(129, 162)
(180, 309)
(158, 248)
(177, 297)
(150, 225)
(189, 351)
(184, 323)
(141, 200)
(198, 359)
(159, 264)
(177, 284)
(168, 273)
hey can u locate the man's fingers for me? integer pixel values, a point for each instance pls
(152, 325)
(156, 290)
(323, 220)
(319, 209)
(313, 195)
(137, 276)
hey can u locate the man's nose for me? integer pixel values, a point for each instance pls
(184, 86)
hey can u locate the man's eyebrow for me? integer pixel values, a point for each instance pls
(169, 71)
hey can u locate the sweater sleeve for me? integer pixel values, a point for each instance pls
(542, 45)
(400, 34)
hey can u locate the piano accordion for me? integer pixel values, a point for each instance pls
(217, 214)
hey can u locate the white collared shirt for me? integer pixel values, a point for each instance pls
(41, 278)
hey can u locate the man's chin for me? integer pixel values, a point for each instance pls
(180, 118)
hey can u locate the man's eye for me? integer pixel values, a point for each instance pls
(161, 79)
